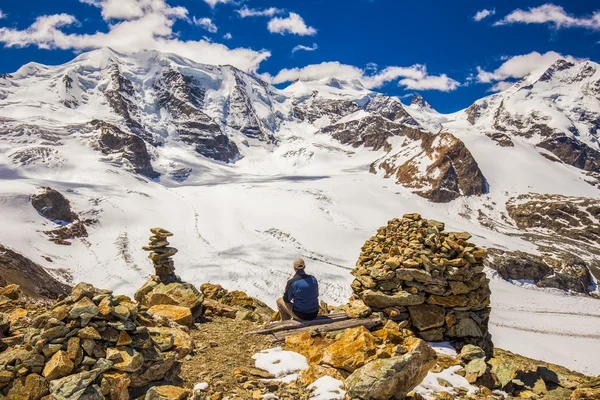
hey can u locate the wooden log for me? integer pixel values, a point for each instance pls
(334, 326)
(288, 325)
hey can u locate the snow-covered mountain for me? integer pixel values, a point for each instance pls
(249, 177)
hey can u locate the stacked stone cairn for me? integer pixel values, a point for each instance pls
(412, 270)
(164, 294)
(90, 345)
(161, 253)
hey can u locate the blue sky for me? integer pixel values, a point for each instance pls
(436, 48)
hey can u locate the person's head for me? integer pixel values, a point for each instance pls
(299, 264)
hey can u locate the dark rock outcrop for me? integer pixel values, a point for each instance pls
(316, 107)
(501, 139)
(390, 108)
(120, 97)
(127, 148)
(372, 132)
(183, 101)
(33, 279)
(576, 218)
(53, 205)
(450, 170)
(560, 271)
(573, 152)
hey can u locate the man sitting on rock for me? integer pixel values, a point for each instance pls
(301, 298)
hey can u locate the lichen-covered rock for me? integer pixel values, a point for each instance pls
(354, 349)
(154, 292)
(392, 378)
(58, 366)
(178, 314)
(310, 346)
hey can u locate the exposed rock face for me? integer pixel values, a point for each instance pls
(183, 101)
(31, 277)
(57, 208)
(412, 264)
(577, 218)
(501, 139)
(573, 152)
(121, 98)
(372, 132)
(53, 205)
(390, 108)
(315, 107)
(441, 169)
(124, 148)
(567, 257)
(566, 272)
(35, 156)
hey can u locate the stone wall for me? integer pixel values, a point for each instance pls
(412, 270)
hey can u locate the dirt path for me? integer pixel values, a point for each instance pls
(223, 359)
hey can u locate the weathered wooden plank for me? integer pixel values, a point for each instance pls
(334, 326)
(288, 325)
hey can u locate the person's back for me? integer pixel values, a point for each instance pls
(301, 297)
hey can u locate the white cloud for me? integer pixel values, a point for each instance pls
(213, 3)
(292, 24)
(132, 9)
(520, 66)
(483, 14)
(305, 48)
(413, 77)
(227, 36)
(245, 12)
(500, 86)
(153, 30)
(206, 23)
(551, 14)
(2, 15)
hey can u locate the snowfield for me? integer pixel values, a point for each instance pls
(240, 225)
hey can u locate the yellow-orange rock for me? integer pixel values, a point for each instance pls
(114, 385)
(355, 348)
(314, 372)
(394, 377)
(310, 347)
(11, 291)
(167, 392)
(182, 342)
(58, 366)
(181, 315)
(585, 394)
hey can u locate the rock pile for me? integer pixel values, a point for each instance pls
(92, 345)
(234, 304)
(164, 294)
(413, 270)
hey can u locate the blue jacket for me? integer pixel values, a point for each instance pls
(303, 291)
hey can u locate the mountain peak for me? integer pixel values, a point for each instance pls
(419, 101)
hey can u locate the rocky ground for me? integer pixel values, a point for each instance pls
(174, 341)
